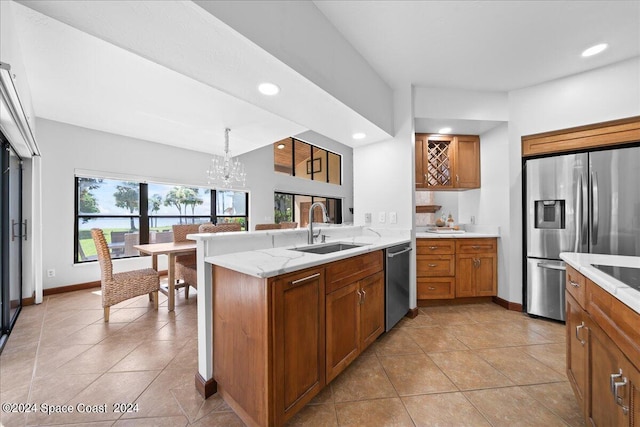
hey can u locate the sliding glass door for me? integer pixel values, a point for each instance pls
(12, 231)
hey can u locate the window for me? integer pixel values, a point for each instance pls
(130, 213)
(295, 208)
(231, 206)
(300, 159)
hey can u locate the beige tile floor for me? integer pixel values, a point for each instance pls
(473, 365)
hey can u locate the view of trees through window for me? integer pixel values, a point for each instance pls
(130, 213)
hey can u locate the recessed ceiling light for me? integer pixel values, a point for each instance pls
(280, 146)
(444, 130)
(359, 135)
(268, 88)
(594, 50)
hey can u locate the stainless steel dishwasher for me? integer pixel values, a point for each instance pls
(396, 283)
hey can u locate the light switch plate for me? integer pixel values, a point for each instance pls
(367, 218)
(382, 217)
(393, 218)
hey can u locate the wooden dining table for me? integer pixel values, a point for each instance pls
(171, 249)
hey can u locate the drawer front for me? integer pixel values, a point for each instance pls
(576, 286)
(350, 270)
(435, 265)
(436, 288)
(476, 246)
(435, 246)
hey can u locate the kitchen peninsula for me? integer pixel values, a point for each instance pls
(276, 323)
(603, 336)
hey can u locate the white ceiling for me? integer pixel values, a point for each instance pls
(99, 81)
(485, 45)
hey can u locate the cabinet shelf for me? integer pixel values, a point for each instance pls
(427, 208)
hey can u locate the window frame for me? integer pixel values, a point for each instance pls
(323, 156)
(338, 201)
(143, 217)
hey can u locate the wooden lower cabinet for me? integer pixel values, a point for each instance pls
(299, 332)
(605, 379)
(355, 318)
(578, 351)
(456, 268)
(278, 341)
(615, 384)
(476, 268)
(343, 329)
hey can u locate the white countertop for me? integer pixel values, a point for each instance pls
(469, 231)
(625, 293)
(272, 262)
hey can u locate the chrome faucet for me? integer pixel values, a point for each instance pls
(324, 219)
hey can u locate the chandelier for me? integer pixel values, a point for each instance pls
(225, 171)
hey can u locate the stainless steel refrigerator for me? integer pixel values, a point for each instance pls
(584, 202)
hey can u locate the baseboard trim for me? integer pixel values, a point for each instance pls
(412, 313)
(206, 388)
(513, 306)
(29, 300)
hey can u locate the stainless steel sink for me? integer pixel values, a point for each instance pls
(327, 248)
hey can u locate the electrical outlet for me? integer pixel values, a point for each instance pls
(393, 218)
(382, 217)
(473, 219)
(51, 273)
(367, 218)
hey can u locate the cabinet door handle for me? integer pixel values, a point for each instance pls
(457, 178)
(426, 180)
(578, 329)
(431, 288)
(433, 248)
(364, 295)
(359, 296)
(432, 265)
(574, 284)
(616, 396)
(304, 279)
(476, 246)
(613, 379)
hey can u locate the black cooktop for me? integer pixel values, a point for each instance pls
(627, 275)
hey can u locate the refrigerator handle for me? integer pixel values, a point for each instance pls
(579, 214)
(552, 266)
(594, 208)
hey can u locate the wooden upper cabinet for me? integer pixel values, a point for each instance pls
(598, 135)
(447, 162)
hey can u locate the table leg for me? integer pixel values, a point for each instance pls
(154, 265)
(172, 281)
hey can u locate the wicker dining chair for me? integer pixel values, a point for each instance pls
(226, 226)
(185, 264)
(118, 287)
(267, 227)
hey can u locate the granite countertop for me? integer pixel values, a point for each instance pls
(272, 262)
(625, 293)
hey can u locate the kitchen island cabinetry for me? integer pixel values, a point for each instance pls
(447, 162)
(354, 309)
(603, 352)
(278, 341)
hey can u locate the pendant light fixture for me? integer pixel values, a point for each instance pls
(225, 171)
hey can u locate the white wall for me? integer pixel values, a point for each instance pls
(383, 177)
(263, 181)
(66, 148)
(603, 94)
(441, 103)
(490, 203)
